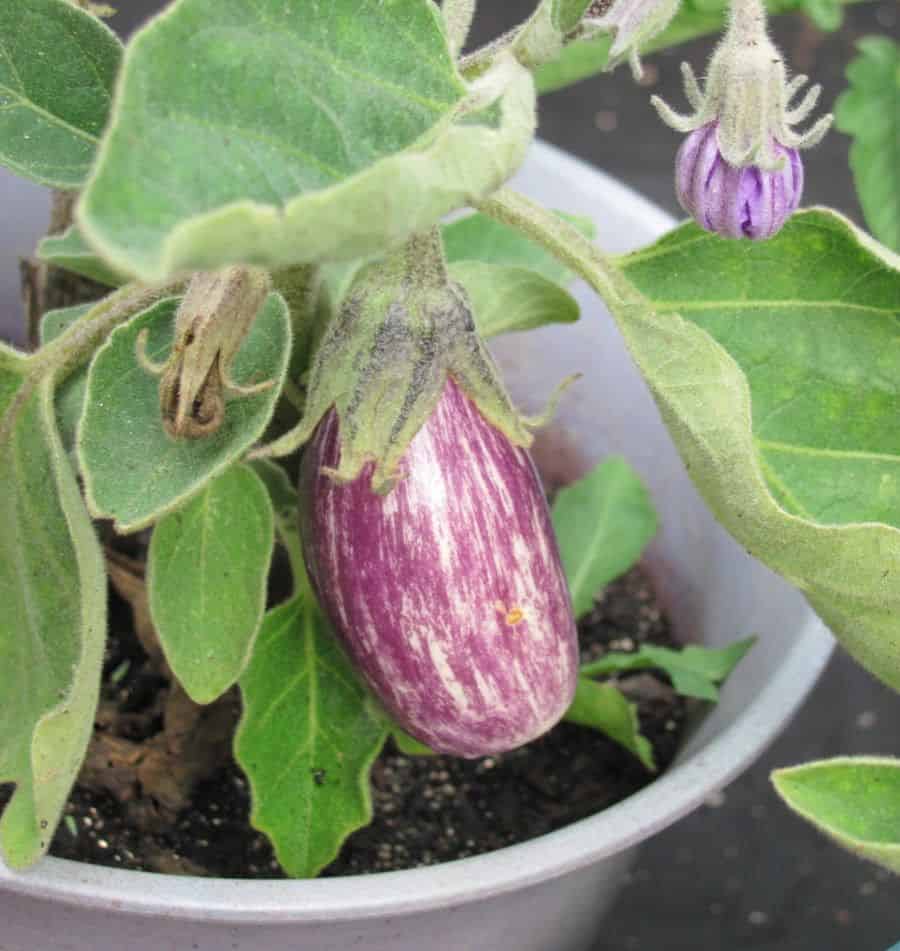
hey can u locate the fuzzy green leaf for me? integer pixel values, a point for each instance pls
(134, 471)
(780, 383)
(338, 130)
(855, 801)
(505, 299)
(694, 671)
(307, 739)
(870, 112)
(567, 14)
(586, 58)
(603, 707)
(206, 575)
(52, 616)
(602, 524)
(57, 69)
(479, 238)
(69, 397)
(70, 251)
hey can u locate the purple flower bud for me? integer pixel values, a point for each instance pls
(734, 202)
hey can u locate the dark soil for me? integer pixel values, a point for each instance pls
(173, 800)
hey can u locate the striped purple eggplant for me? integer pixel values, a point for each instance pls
(448, 592)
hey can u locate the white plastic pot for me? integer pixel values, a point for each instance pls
(551, 892)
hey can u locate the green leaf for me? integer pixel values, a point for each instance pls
(70, 251)
(134, 471)
(280, 488)
(510, 298)
(586, 58)
(338, 129)
(479, 238)
(206, 575)
(870, 112)
(779, 382)
(52, 616)
(854, 800)
(307, 739)
(694, 671)
(69, 397)
(57, 69)
(409, 745)
(602, 524)
(567, 14)
(602, 707)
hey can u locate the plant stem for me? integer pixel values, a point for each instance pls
(65, 354)
(458, 15)
(563, 241)
(69, 351)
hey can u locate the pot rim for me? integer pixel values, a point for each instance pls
(682, 788)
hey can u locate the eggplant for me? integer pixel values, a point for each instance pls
(448, 592)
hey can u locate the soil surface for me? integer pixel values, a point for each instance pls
(161, 792)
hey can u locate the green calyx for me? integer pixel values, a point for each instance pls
(384, 360)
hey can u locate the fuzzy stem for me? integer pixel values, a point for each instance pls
(423, 258)
(563, 241)
(458, 15)
(71, 349)
(65, 354)
(747, 19)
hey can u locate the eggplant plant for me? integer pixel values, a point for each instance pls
(266, 189)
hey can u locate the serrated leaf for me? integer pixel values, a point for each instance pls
(206, 575)
(602, 524)
(337, 131)
(779, 382)
(70, 251)
(134, 471)
(506, 299)
(695, 671)
(69, 397)
(52, 617)
(870, 112)
(603, 707)
(57, 69)
(479, 238)
(307, 739)
(854, 800)
(585, 58)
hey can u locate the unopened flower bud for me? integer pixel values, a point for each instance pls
(738, 173)
(748, 202)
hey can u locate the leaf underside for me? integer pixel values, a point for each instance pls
(779, 382)
(330, 124)
(52, 619)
